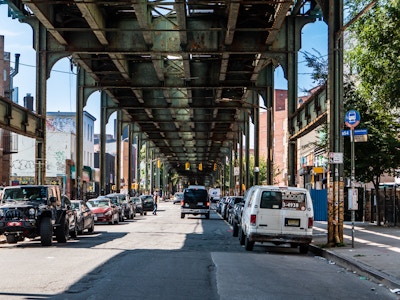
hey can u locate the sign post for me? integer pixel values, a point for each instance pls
(352, 119)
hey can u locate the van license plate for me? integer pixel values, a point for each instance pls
(292, 222)
(200, 204)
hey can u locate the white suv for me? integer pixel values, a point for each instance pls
(279, 215)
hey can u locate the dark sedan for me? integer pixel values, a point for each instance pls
(138, 205)
(147, 203)
(85, 216)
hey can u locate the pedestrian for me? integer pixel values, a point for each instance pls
(155, 203)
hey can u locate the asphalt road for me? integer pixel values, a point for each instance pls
(166, 257)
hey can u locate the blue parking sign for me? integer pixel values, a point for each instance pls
(352, 118)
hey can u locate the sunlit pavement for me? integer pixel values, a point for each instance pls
(375, 254)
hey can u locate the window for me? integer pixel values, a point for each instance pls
(271, 200)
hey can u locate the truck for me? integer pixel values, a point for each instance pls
(30, 211)
(195, 202)
(214, 194)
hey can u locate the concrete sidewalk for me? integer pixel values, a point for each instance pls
(375, 255)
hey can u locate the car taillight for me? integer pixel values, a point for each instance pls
(208, 203)
(253, 219)
(181, 202)
(310, 222)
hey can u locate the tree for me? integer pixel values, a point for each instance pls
(375, 59)
(379, 155)
(375, 56)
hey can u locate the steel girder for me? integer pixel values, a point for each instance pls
(181, 71)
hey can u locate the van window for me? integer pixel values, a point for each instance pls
(195, 195)
(271, 200)
(251, 197)
(294, 200)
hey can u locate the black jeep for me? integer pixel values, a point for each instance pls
(29, 211)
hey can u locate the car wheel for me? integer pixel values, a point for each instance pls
(11, 239)
(235, 230)
(80, 228)
(207, 215)
(248, 245)
(91, 228)
(74, 232)
(241, 236)
(182, 216)
(303, 249)
(117, 219)
(46, 232)
(62, 231)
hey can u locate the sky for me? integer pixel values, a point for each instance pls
(61, 86)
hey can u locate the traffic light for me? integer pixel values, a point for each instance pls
(215, 167)
(158, 163)
(187, 166)
(200, 166)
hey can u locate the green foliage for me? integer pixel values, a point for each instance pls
(375, 56)
(319, 66)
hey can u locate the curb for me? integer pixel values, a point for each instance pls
(357, 267)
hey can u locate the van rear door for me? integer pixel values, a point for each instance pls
(269, 213)
(294, 212)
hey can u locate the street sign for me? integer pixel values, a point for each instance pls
(352, 118)
(335, 157)
(346, 132)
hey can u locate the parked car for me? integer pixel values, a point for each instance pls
(105, 211)
(147, 203)
(229, 208)
(237, 217)
(85, 216)
(71, 215)
(178, 196)
(224, 206)
(219, 204)
(279, 215)
(127, 208)
(35, 211)
(138, 205)
(117, 202)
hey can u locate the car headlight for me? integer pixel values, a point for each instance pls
(108, 213)
(32, 212)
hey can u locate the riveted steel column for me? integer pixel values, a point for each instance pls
(240, 162)
(118, 141)
(231, 177)
(247, 156)
(79, 132)
(146, 171)
(41, 85)
(256, 138)
(102, 155)
(335, 121)
(270, 124)
(292, 69)
(131, 136)
(138, 148)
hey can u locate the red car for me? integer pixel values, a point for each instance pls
(104, 210)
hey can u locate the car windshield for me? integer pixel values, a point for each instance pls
(147, 199)
(75, 205)
(25, 193)
(99, 203)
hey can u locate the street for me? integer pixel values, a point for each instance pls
(166, 257)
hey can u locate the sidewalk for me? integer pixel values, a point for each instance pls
(376, 252)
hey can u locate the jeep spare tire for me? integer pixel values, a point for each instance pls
(46, 231)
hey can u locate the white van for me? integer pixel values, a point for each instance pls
(279, 215)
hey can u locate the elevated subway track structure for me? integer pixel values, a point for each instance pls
(187, 75)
